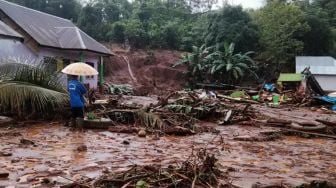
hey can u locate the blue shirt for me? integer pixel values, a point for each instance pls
(76, 91)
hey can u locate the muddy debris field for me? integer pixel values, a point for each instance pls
(183, 139)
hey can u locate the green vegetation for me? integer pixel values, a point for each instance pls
(32, 89)
(276, 33)
(228, 66)
(281, 26)
(218, 64)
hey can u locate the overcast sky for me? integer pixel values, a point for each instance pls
(245, 3)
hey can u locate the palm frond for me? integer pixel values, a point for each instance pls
(32, 73)
(30, 89)
(23, 98)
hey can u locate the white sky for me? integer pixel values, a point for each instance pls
(245, 3)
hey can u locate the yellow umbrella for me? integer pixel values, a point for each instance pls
(80, 69)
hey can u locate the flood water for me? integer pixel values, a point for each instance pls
(289, 159)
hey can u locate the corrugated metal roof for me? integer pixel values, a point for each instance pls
(323, 65)
(290, 77)
(49, 30)
(7, 31)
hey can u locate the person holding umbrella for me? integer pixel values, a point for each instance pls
(77, 90)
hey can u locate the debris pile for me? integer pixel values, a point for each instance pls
(199, 170)
(179, 113)
(118, 89)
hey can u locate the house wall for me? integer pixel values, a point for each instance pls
(14, 49)
(74, 56)
(31, 50)
(327, 82)
(322, 67)
(318, 64)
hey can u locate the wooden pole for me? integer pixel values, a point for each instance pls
(81, 59)
(101, 74)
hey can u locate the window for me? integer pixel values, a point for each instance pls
(90, 77)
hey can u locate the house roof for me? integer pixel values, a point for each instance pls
(5, 30)
(51, 31)
(323, 65)
(290, 77)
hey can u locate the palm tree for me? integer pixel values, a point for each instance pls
(230, 66)
(27, 89)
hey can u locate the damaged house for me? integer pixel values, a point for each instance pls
(322, 67)
(35, 36)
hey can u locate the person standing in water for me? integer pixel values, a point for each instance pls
(77, 102)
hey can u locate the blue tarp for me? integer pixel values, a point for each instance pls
(331, 100)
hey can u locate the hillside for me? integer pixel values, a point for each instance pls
(148, 71)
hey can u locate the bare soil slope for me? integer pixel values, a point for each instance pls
(148, 71)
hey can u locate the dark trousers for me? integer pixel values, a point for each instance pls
(77, 112)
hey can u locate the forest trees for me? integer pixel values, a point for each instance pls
(281, 26)
(232, 24)
(277, 32)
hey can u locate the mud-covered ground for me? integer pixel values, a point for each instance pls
(55, 153)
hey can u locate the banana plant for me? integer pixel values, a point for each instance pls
(197, 62)
(230, 65)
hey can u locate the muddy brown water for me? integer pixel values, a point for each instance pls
(289, 159)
